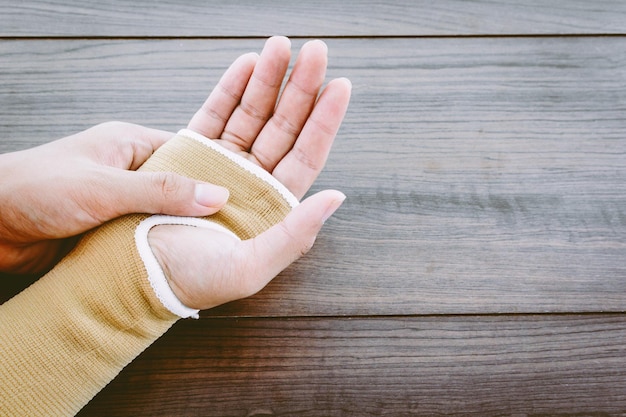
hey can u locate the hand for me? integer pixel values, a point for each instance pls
(291, 140)
(64, 188)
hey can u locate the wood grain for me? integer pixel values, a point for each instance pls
(482, 175)
(117, 18)
(485, 169)
(501, 365)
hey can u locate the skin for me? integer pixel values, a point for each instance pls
(62, 189)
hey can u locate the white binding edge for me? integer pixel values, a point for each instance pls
(245, 164)
(156, 276)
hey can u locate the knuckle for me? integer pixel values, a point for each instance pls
(115, 126)
(167, 185)
(306, 160)
(254, 112)
(266, 161)
(306, 246)
(285, 124)
(301, 243)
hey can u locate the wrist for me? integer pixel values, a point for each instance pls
(180, 270)
(153, 251)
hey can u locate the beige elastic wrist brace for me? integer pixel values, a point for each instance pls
(69, 334)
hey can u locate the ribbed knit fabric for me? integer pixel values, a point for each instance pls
(257, 200)
(69, 334)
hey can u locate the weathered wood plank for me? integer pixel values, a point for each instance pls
(114, 18)
(483, 175)
(515, 365)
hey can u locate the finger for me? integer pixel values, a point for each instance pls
(294, 106)
(119, 144)
(211, 118)
(259, 98)
(301, 166)
(275, 249)
(147, 141)
(161, 192)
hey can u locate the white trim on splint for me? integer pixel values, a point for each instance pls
(245, 164)
(156, 276)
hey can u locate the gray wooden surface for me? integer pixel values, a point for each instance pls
(362, 18)
(479, 262)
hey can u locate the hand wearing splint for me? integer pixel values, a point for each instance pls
(291, 140)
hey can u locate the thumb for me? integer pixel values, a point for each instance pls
(167, 193)
(282, 244)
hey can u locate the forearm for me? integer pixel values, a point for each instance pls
(70, 333)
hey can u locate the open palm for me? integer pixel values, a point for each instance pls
(288, 134)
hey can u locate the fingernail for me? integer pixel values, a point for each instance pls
(332, 207)
(210, 195)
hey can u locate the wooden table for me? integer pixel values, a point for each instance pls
(478, 265)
